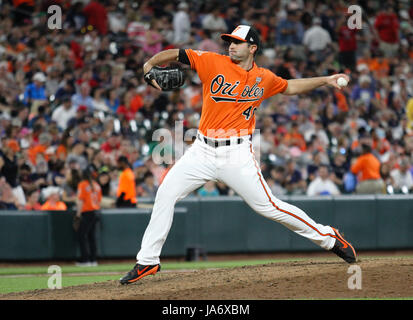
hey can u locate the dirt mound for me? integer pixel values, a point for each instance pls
(380, 278)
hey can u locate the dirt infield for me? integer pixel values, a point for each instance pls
(310, 279)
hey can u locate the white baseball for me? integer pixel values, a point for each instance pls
(342, 82)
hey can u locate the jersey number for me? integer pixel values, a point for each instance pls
(248, 114)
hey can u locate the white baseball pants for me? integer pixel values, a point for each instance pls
(235, 165)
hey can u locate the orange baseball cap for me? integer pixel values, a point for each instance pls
(243, 33)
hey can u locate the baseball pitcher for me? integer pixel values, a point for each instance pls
(233, 88)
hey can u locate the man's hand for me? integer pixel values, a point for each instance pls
(332, 80)
(146, 68)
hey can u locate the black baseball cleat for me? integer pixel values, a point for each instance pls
(138, 272)
(344, 249)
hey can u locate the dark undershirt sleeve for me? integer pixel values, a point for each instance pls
(183, 57)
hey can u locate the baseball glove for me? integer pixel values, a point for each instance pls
(168, 78)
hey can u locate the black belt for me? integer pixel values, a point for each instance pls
(219, 143)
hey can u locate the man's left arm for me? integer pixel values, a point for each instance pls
(299, 86)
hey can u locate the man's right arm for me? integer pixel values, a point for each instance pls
(160, 58)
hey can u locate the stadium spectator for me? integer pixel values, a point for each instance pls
(385, 170)
(64, 112)
(153, 38)
(77, 154)
(42, 117)
(380, 144)
(97, 16)
(339, 169)
(33, 201)
(75, 19)
(347, 43)
(317, 39)
(112, 144)
(35, 93)
(8, 200)
(147, 188)
(375, 62)
(88, 204)
(104, 182)
(387, 25)
(99, 100)
(209, 189)
(294, 182)
(402, 177)
(290, 30)
(232, 17)
(294, 138)
(207, 44)
(322, 184)
(132, 102)
(261, 24)
(112, 100)
(69, 187)
(8, 85)
(363, 92)
(27, 181)
(278, 178)
(9, 165)
(126, 192)
(265, 141)
(53, 200)
(223, 189)
(23, 11)
(367, 169)
(83, 98)
(214, 23)
(329, 21)
(317, 159)
(79, 118)
(66, 88)
(181, 25)
(400, 93)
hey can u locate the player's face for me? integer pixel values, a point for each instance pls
(239, 50)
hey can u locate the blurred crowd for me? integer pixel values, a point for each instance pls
(72, 95)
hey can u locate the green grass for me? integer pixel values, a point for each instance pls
(19, 284)
(18, 279)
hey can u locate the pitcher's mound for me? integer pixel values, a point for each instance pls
(378, 278)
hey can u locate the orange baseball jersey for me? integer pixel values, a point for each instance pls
(366, 167)
(127, 185)
(91, 198)
(231, 94)
(57, 206)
